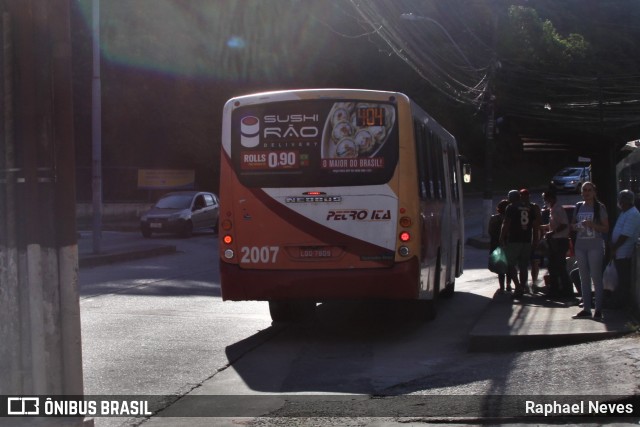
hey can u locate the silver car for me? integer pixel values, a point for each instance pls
(571, 178)
(181, 212)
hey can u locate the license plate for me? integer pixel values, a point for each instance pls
(155, 225)
(315, 252)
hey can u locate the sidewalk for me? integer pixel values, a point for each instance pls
(535, 322)
(117, 247)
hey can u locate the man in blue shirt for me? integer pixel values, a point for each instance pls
(623, 241)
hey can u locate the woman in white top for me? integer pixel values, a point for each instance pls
(591, 223)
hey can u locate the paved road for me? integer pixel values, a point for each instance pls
(158, 327)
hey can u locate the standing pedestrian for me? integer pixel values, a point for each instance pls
(518, 234)
(591, 224)
(536, 256)
(557, 237)
(495, 224)
(623, 240)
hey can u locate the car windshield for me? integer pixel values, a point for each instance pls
(569, 172)
(175, 201)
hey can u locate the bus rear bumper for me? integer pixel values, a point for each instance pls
(398, 282)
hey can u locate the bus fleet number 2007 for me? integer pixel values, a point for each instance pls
(259, 254)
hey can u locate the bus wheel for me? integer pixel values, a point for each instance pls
(288, 311)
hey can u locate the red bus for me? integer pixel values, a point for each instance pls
(337, 194)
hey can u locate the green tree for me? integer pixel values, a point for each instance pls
(529, 41)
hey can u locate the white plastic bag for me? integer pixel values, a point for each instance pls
(610, 277)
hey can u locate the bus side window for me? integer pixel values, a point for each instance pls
(438, 165)
(428, 162)
(441, 174)
(422, 167)
(453, 172)
(446, 163)
(433, 165)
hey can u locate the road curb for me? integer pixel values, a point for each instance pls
(511, 343)
(92, 260)
(478, 242)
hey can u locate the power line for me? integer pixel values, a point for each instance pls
(438, 41)
(432, 52)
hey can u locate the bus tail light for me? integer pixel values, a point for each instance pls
(403, 251)
(227, 239)
(405, 222)
(405, 236)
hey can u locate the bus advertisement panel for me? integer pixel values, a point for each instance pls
(320, 199)
(314, 143)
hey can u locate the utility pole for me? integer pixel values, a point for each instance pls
(607, 152)
(96, 130)
(487, 197)
(41, 351)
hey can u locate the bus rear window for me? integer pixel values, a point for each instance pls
(313, 143)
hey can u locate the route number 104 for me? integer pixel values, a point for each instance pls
(258, 254)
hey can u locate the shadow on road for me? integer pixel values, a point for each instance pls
(362, 348)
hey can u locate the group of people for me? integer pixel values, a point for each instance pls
(515, 228)
(520, 227)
